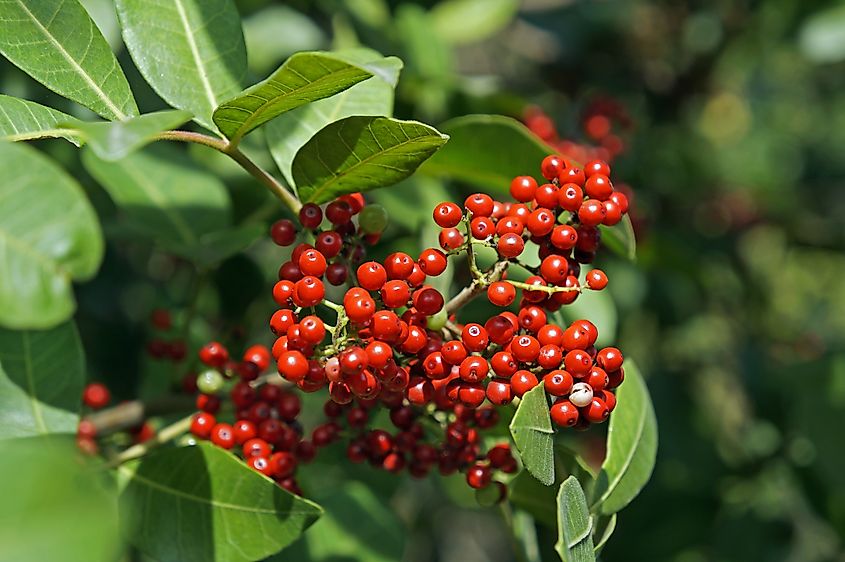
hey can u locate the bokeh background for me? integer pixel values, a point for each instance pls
(727, 121)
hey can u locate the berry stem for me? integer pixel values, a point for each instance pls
(232, 151)
(544, 288)
(476, 287)
(164, 435)
(133, 413)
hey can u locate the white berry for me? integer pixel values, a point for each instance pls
(581, 394)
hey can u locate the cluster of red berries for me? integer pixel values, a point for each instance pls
(265, 431)
(160, 348)
(96, 396)
(601, 116)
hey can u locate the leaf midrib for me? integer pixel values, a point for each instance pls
(336, 177)
(189, 37)
(30, 382)
(203, 500)
(85, 76)
(263, 108)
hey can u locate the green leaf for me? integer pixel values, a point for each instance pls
(57, 503)
(42, 374)
(163, 196)
(528, 494)
(57, 43)
(22, 120)
(202, 504)
(822, 35)
(603, 531)
(488, 151)
(631, 445)
(531, 428)
(190, 51)
(289, 132)
(303, 78)
(361, 153)
(49, 235)
(340, 533)
(113, 141)
(275, 32)
(469, 21)
(620, 238)
(574, 525)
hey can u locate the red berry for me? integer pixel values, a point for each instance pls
(540, 222)
(610, 359)
(597, 411)
(395, 293)
(591, 212)
(223, 436)
(598, 186)
(522, 381)
(258, 355)
(597, 167)
(552, 166)
(447, 215)
(558, 382)
(572, 175)
(336, 273)
(282, 464)
(201, 425)
(507, 225)
(479, 204)
(329, 243)
(312, 262)
(308, 291)
(510, 245)
(621, 201)
(96, 396)
(293, 366)
(399, 265)
(501, 293)
(283, 232)
(473, 369)
(260, 464)
(244, 430)
(310, 216)
(578, 362)
(432, 261)
(281, 321)
(256, 447)
(214, 354)
(554, 269)
(499, 392)
(564, 413)
(503, 363)
(450, 238)
(596, 279)
(282, 292)
(546, 196)
(523, 188)
(570, 197)
(482, 228)
(474, 337)
(564, 237)
(479, 476)
(339, 212)
(371, 276)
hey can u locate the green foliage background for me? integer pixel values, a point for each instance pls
(734, 309)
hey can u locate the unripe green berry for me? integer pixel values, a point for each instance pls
(436, 322)
(373, 219)
(209, 381)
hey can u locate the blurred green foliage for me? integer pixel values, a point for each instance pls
(735, 310)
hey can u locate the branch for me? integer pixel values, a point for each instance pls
(477, 286)
(132, 414)
(164, 435)
(275, 186)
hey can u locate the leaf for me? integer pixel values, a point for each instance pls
(340, 534)
(487, 151)
(57, 503)
(163, 195)
(604, 531)
(528, 494)
(42, 374)
(631, 445)
(190, 51)
(22, 120)
(49, 235)
(531, 428)
(113, 141)
(361, 153)
(57, 43)
(289, 132)
(469, 21)
(303, 78)
(202, 504)
(574, 535)
(822, 35)
(620, 238)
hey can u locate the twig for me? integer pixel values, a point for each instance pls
(545, 288)
(164, 435)
(132, 414)
(477, 286)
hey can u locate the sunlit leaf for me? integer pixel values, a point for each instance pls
(202, 504)
(575, 527)
(362, 153)
(114, 140)
(22, 120)
(57, 43)
(49, 236)
(469, 21)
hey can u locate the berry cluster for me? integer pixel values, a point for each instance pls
(265, 431)
(601, 122)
